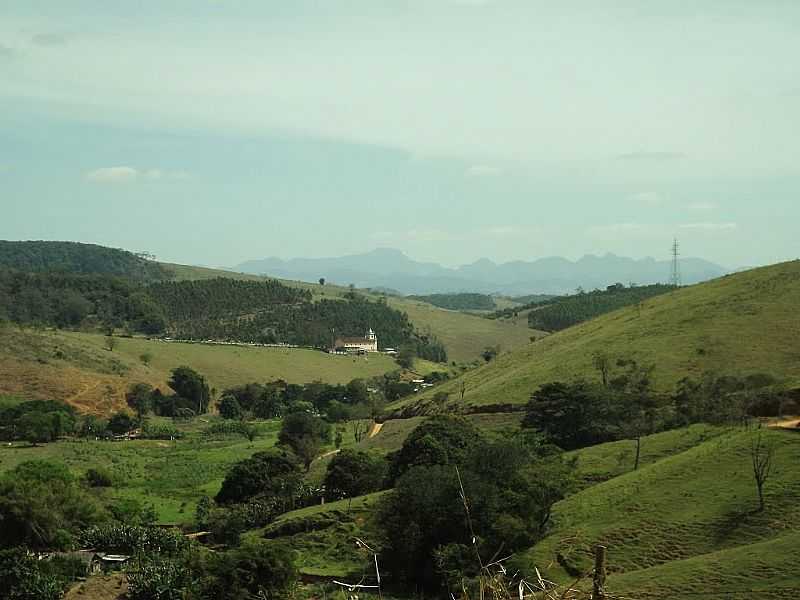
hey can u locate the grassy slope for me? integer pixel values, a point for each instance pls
(741, 323)
(672, 525)
(94, 379)
(172, 476)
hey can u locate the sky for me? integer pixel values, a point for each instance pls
(212, 132)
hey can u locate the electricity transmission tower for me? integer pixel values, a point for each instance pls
(675, 275)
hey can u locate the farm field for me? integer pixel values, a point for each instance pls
(739, 324)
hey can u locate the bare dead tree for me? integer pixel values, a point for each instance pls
(761, 454)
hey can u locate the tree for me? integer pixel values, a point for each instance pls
(405, 358)
(497, 498)
(490, 353)
(110, 343)
(229, 408)
(354, 473)
(602, 363)
(761, 455)
(36, 428)
(270, 474)
(256, 569)
(191, 386)
(440, 440)
(572, 415)
(139, 398)
(322, 281)
(640, 407)
(120, 423)
(146, 358)
(304, 433)
(42, 506)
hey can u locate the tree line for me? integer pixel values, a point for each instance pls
(461, 301)
(560, 312)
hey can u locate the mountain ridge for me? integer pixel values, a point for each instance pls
(391, 268)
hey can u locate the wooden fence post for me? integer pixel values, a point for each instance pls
(599, 579)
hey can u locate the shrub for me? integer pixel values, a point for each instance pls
(98, 478)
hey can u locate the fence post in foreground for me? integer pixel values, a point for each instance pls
(599, 579)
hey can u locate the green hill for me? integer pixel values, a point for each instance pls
(77, 258)
(685, 525)
(739, 324)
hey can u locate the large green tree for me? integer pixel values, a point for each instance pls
(191, 386)
(354, 473)
(305, 434)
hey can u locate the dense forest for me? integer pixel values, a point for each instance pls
(77, 258)
(559, 312)
(462, 301)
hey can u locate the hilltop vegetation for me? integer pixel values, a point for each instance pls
(463, 301)
(77, 258)
(740, 324)
(263, 311)
(557, 313)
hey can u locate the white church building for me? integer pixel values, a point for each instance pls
(369, 343)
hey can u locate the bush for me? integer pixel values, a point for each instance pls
(353, 473)
(98, 478)
(129, 539)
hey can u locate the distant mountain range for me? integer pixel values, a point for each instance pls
(391, 269)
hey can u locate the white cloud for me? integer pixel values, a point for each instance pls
(619, 228)
(702, 206)
(648, 198)
(131, 175)
(710, 226)
(113, 175)
(484, 171)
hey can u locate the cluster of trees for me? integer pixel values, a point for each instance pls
(563, 312)
(191, 396)
(278, 398)
(72, 300)
(459, 496)
(77, 258)
(37, 421)
(623, 405)
(221, 298)
(462, 301)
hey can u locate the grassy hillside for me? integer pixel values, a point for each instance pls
(685, 524)
(738, 324)
(76, 367)
(464, 335)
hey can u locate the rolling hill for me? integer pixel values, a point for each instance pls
(464, 335)
(684, 525)
(75, 367)
(738, 324)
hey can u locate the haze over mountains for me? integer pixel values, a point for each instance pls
(392, 269)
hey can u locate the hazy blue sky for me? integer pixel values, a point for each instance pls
(213, 132)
